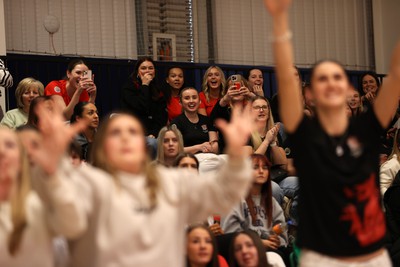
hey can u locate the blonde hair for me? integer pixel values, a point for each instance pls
(24, 85)
(160, 148)
(99, 160)
(241, 79)
(18, 201)
(204, 85)
(395, 149)
(255, 136)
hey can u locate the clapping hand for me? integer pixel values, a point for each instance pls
(272, 133)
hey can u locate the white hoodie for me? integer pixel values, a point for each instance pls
(109, 224)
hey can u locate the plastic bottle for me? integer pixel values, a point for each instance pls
(279, 228)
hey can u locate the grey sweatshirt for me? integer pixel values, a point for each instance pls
(239, 219)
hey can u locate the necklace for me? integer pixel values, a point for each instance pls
(338, 143)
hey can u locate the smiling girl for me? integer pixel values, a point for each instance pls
(212, 89)
(76, 87)
(199, 135)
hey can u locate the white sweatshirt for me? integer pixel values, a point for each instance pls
(110, 225)
(35, 249)
(388, 172)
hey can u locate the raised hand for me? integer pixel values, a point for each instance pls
(273, 133)
(56, 136)
(395, 62)
(277, 7)
(146, 78)
(230, 93)
(238, 131)
(245, 91)
(216, 229)
(258, 90)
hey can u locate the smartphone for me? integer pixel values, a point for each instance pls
(217, 219)
(236, 81)
(88, 74)
(238, 85)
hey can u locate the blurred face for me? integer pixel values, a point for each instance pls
(354, 99)
(260, 110)
(245, 251)
(171, 146)
(214, 79)
(256, 78)
(29, 94)
(175, 78)
(329, 86)
(124, 144)
(260, 172)
(10, 165)
(146, 67)
(76, 74)
(30, 140)
(90, 114)
(188, 163)
(199, 247)
(369, 84)
(190, 100)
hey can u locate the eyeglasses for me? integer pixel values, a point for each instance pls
(260, 107)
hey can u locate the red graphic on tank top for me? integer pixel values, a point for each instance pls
(365, 213)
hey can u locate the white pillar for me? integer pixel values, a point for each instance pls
(386, 22)
(2, 30)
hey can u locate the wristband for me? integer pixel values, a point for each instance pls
(281, 38)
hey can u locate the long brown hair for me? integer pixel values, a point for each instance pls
(99, 159)
(18, 202)
(262, 256)
(266, 192)
(214, 259)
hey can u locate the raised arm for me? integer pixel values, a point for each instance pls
(218, 192)
(61, 193)
(291, 107)
(388, 97)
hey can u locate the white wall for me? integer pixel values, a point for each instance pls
(88, 27)
(321, 29)
(386, 31)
